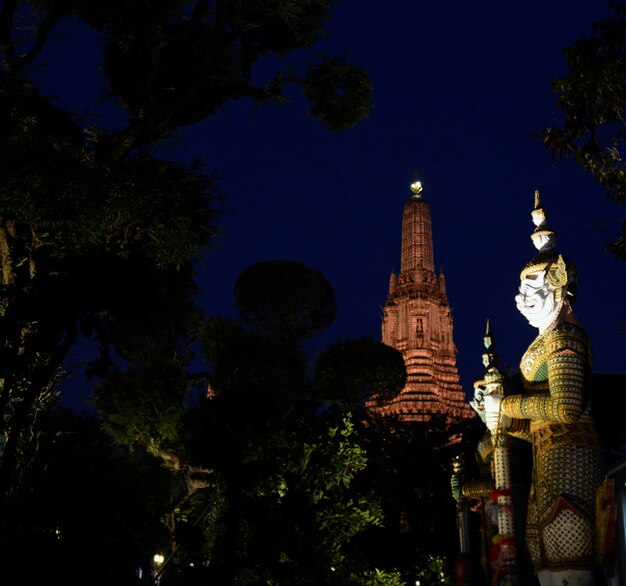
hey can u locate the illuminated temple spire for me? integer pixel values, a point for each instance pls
(417, 321)
(417, 240)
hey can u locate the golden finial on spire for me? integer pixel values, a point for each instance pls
(416, 186)
(537, 199)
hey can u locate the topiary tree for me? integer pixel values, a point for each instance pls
(262, 452)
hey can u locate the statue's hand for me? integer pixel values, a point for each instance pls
(493, 419)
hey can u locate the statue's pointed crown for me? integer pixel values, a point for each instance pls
(543, 236)
(559, 272)
(492, 373)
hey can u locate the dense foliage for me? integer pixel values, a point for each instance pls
(269, 475)
(91, 512)
(591, 127)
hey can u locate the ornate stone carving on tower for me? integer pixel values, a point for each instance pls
(417, 321)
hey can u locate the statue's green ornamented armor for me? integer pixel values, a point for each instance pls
(554, 414)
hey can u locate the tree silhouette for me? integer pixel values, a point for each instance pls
(95, 228)
(591, 126)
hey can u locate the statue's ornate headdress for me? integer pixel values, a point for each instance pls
(491, 360)
(560, 273)
(493, 374)
(543, 236)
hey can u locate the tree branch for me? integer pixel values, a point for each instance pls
(7, 13)
(40, 380)
(6, 25)
(6, 264)
(40, 40)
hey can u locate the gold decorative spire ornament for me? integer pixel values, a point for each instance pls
(416, 188)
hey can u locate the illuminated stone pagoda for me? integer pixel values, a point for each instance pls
(417, 321)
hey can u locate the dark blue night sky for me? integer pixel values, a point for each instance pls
(459, 90)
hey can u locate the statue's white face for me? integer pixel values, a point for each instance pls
(536, 302)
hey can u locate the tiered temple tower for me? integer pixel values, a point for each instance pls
(417, 321)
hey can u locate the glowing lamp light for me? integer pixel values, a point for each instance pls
(158, 559)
